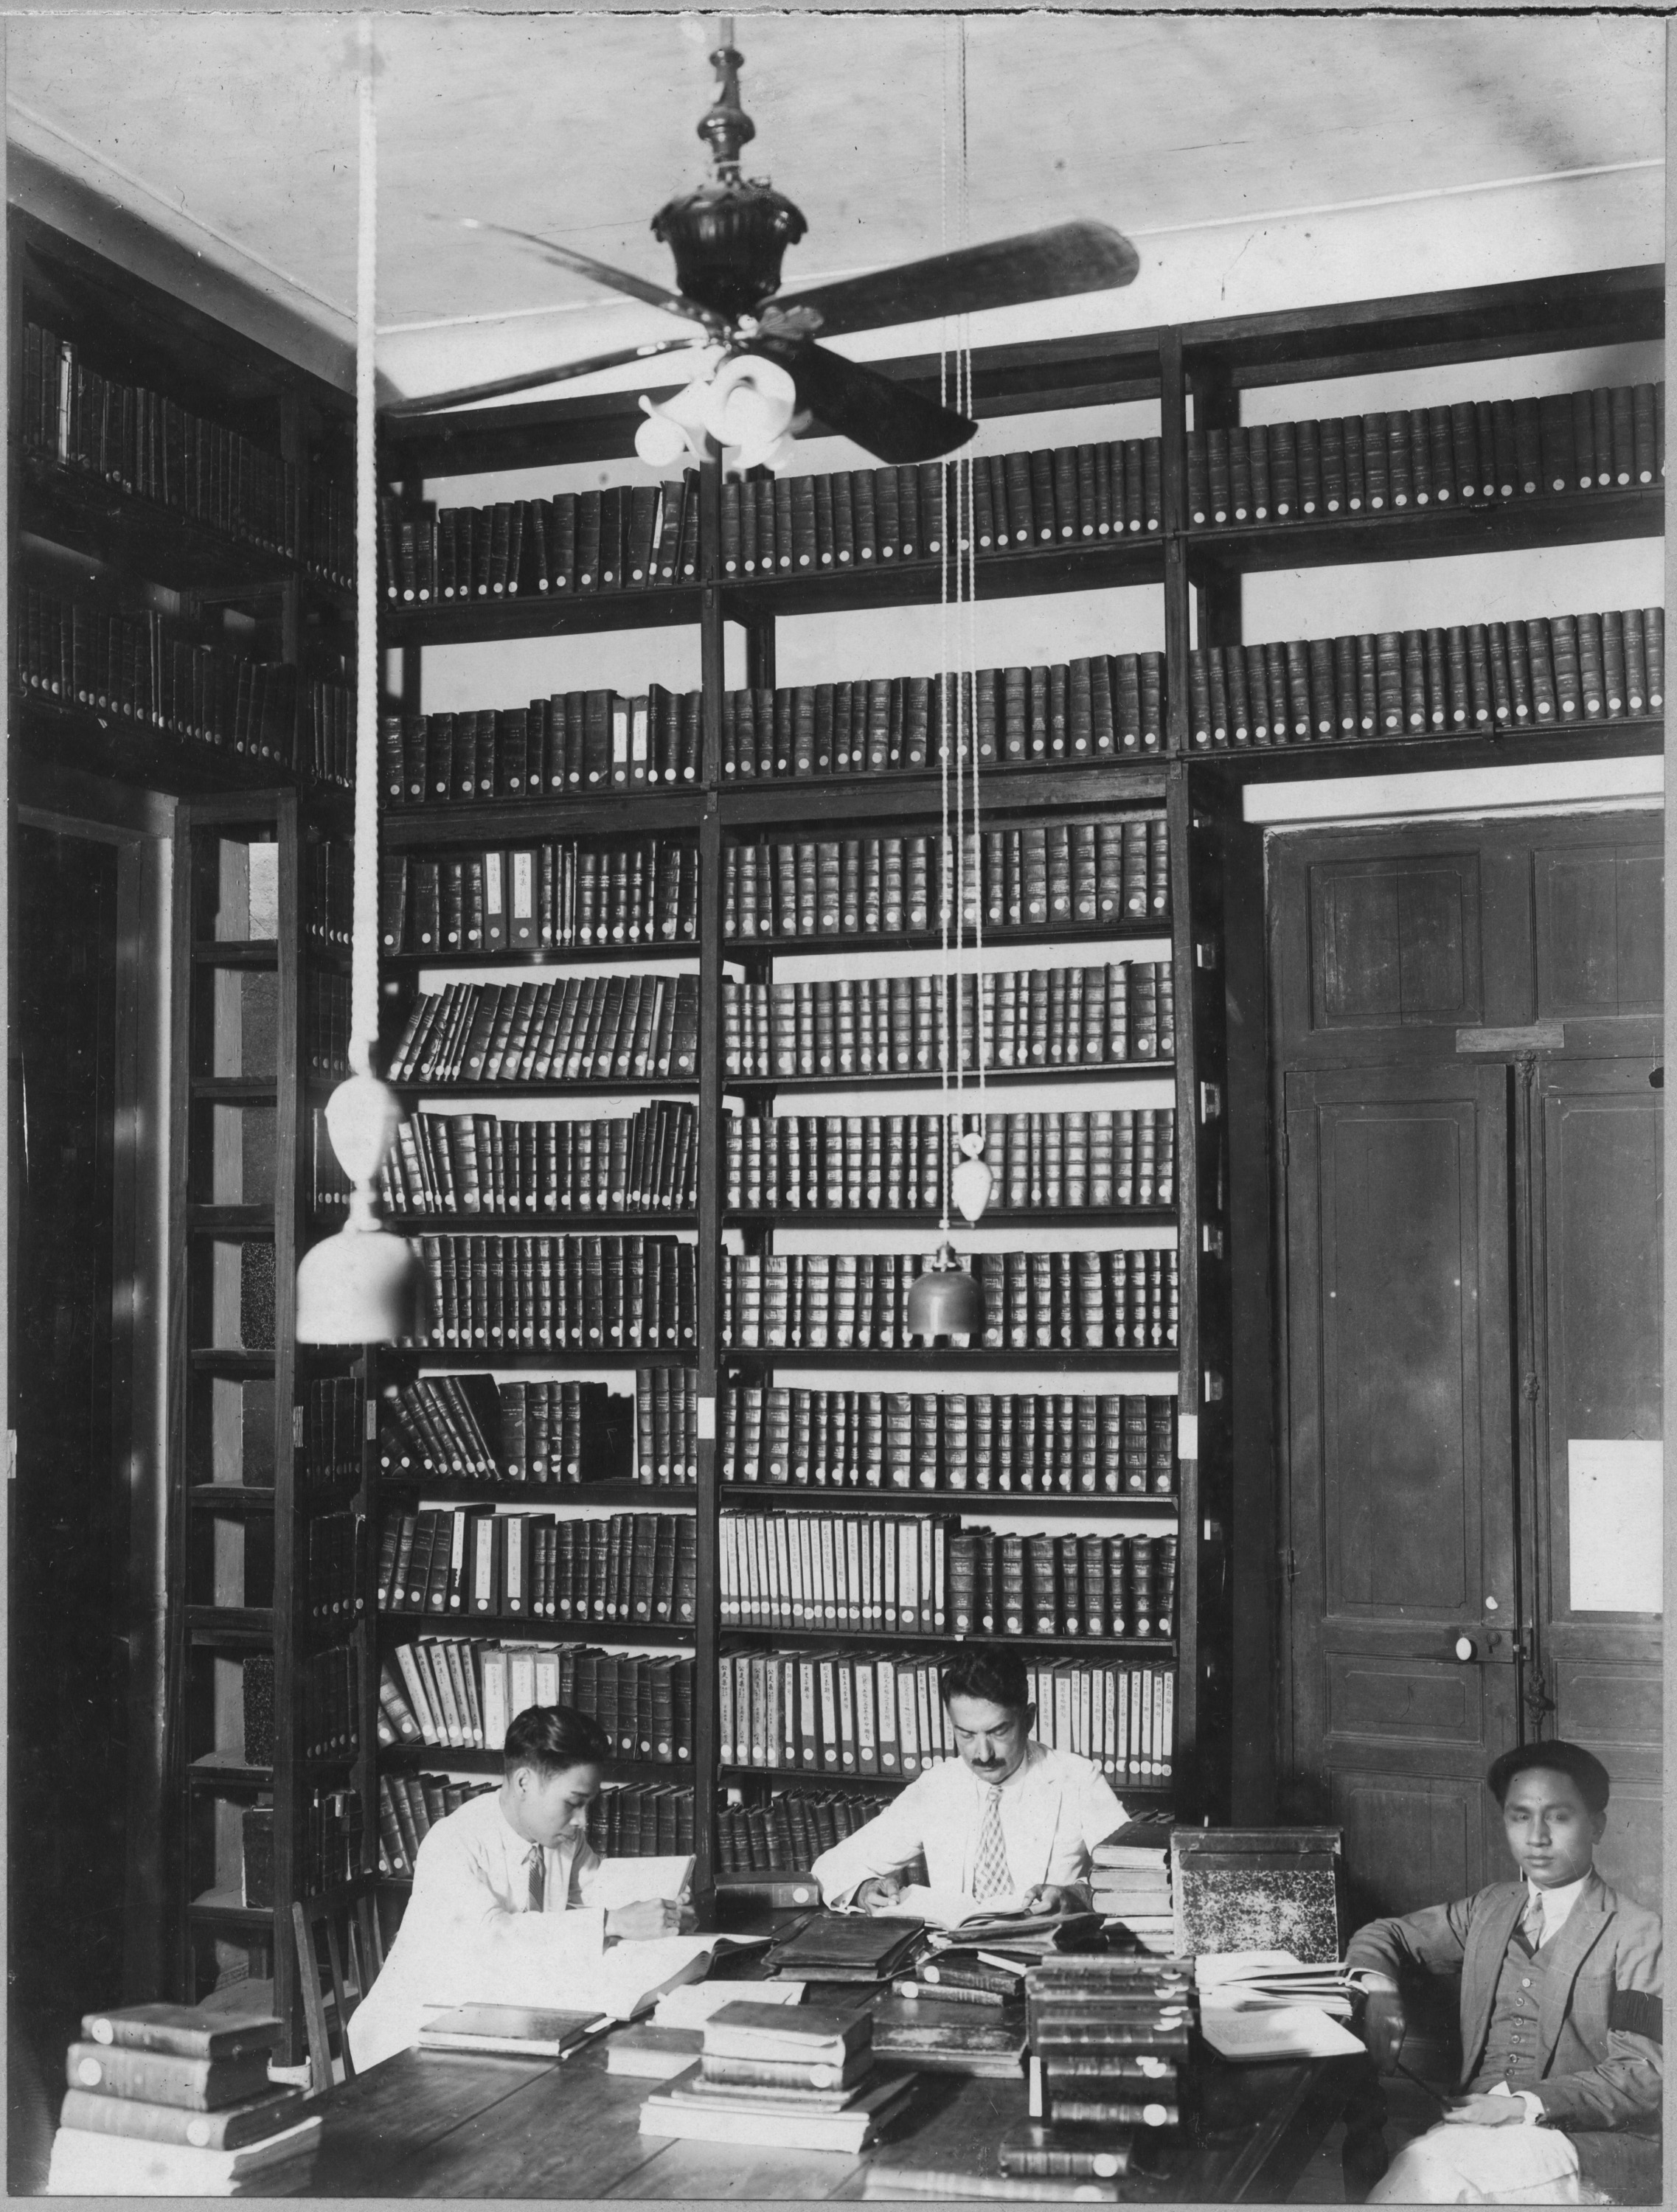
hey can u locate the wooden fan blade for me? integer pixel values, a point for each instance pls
(584, 264)
(1043, 264)
(527, 380)
(884, 419)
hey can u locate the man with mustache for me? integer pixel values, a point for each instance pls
(1009, 1818)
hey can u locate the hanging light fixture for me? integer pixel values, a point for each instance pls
(363, 1284)
(945, 1300)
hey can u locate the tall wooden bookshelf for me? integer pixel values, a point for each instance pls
(182, 626)
(1195, 375)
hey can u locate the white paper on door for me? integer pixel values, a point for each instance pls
(1614, 1518)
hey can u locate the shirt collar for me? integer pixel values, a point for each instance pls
(1557, 1903)
(1033, 1755)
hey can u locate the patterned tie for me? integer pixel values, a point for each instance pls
(1531, 1920)
(536, 1863)
(990, 1877)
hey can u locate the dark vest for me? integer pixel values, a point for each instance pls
(1511, 2043)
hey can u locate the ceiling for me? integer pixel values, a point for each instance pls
(236, 133)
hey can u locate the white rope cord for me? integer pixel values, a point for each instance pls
(945, 720)
(364, 939)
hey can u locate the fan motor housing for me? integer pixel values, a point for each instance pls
(727, 236)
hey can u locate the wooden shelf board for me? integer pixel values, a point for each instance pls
(1124, 1647)
(412, 1758)
(931, 940)
(640, 811)
(106, 742)
(260, 952)
(242, 1224)
(805, 1497)
(547, 955)
(1293, 763)
(454, 1489)
(525, 1628)
(906, 1217)
(824, 1778)
(1508, 526)
(212, 1771)
(1073, 1359)
(927, 1078)
(537, 614)
(236, 1090)
(72, 507)
(539, 1224)
(455, 1356)
(231, 1364)
(232, 1498)
(411, 1089)
(208, 1625)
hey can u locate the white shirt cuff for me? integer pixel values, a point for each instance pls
(1534, 2105)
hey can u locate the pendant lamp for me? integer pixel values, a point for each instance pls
(946, 1300)
(363, 1284)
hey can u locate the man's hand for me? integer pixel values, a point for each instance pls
(1487, 2112)
(1383, 2028)
(1050, 1897)
(881, 1894)
(646, 1917)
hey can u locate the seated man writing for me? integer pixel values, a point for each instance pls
(499, 1905)
(1561, 2027)
(1010, 1819)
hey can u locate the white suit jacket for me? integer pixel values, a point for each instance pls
(1055, 1809)
(468, 1936)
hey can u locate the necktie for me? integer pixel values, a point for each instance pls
(990, 1877)
(536, 1863)
(1531, 1920)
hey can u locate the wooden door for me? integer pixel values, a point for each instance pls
(1401, 1488)
(1595, 1131)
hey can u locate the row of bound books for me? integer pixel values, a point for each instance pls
(330, 1700)
(147, 669)
(331, 1848)
(898, 1163)
(480, 1164)
(565, 896)
(571, 742)
(618, 538)
(144, 444)
(1031, 878)
(789, 1833)
(410, 1807)
(335, 1422)
(582, 1029)
(1480, 450)
(325, 1023)
(1045, 1585)
(1101, 707)
(822, 1301)
(1541, 674)
(333, 1558)
(561, 1293)
(329, 868)
(461, 1695)
(867, 1712)
(920, 1576)
(468, 1427)
(627, 1569)
(642, 1820)
(1113, 1012)
(934, 1441)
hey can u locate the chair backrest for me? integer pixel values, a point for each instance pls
(351, 1927)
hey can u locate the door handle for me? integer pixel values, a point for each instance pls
(1465, 1648)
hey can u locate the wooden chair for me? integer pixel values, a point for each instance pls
(351, 1927)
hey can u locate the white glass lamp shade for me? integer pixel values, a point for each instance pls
(749, 404)
(364, 1285)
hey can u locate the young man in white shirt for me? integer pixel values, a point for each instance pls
(1561, 2010)
(500, 1907)
(1008, 1818)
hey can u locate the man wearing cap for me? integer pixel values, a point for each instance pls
(1561, 2025)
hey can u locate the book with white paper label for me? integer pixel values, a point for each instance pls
(1252, 2033)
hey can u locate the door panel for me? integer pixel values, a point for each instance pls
(1395, 940)
(1421, 1831)
(1400, 1355)
(1597, 1128)
(1598, 913)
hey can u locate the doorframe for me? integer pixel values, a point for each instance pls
(140, 824)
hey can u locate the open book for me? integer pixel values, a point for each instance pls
(1251, 1980)
(950, 1908)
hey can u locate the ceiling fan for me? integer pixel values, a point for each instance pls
(727, 236)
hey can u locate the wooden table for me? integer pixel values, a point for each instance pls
(441, 2125)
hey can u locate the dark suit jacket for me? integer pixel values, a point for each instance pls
(1596, 2071)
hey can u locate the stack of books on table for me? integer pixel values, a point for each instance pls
(668, 2043)
(960, 2012)
(165, 2100)
(1131, 1882)
(1109, 2036)
(793, 2076)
